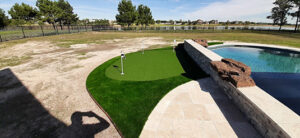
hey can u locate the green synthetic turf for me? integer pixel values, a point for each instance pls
(214, 43)
(129, 103)
(152, 65)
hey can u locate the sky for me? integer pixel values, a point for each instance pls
(222, 10)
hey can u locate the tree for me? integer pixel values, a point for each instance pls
(49, 11)
(66, 15)
(227, 22)
(247, 22)
(144, 15)
(83, 22)
(296, 14)
(158, 21)
(280, 11)
(127, 13)
(171, 22)
(3, 18)
(189, 22)
(194, 22)
(102, 22)
(23, 13)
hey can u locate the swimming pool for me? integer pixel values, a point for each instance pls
(263, 59)
(276, 71)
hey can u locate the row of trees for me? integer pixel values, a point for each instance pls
(128, 14)
(195, 22)
(53, 12)
(283, 9)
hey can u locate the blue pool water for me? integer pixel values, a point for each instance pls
(263, 60)
(275, 71)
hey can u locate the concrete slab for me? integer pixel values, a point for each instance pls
(197, 109)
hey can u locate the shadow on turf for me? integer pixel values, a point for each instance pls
(117, 68)
(191, 69)
(22, 115)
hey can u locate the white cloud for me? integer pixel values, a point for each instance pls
(5, 5)
(234, 10)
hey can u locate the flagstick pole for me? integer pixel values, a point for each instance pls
(122, 73)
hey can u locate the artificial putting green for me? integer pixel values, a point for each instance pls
(152, 65)
(130, 102)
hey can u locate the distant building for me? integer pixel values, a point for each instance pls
(206, 22)
(214, 22)
(237, 22)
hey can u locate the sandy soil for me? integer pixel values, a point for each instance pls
(47, 96)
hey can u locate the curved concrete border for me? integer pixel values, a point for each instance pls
(197, 109)
(118, 130)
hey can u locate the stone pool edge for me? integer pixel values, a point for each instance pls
(229, 43)
(269, 116)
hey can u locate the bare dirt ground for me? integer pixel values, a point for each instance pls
(46, 96)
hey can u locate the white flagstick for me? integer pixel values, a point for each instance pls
(122, 56)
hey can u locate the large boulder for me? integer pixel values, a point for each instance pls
(202, 42)
(234, 72)
(241, 81)
(238, 65)
(224, 70)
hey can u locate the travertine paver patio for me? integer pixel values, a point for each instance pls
(197, 109)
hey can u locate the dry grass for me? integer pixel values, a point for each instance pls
(64, 41)
(71, 68)
(13, 61)
(286, 39)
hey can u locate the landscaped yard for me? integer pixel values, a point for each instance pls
(112, 69)
(129, 99)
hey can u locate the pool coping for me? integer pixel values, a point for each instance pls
(269, 116)
(256, 45)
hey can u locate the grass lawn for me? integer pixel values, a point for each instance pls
(129, 99)
(276, 38)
